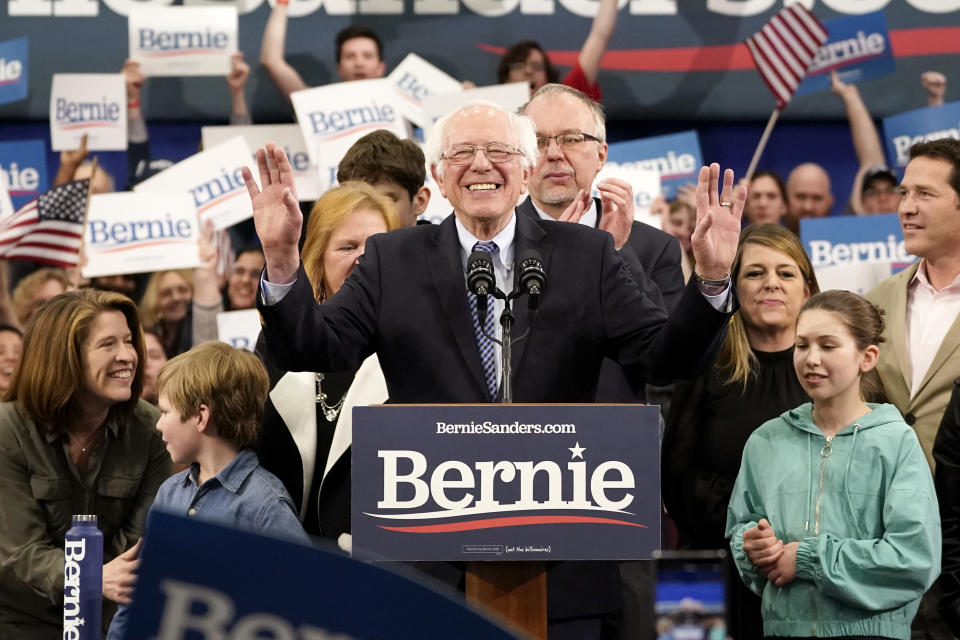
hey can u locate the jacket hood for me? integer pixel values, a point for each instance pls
(880, 414)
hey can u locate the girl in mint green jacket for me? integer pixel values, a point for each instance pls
(833, 519)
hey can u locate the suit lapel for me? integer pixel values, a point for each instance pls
(446, 272)
(530, 235)
(899, 337)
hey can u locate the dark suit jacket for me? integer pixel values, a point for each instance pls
(946, 451)
(657, 254)
(407, 301)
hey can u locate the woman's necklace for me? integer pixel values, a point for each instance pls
(330, 413)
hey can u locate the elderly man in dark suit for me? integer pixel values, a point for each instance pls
(407, 299)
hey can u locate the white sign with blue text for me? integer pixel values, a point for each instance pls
(675, 156)
(858, 49)
(287, 136)
(91, 104)
(213, 180)
(904, 130)
(6, 205)
(14, 71)
(239, 329)
(335, 116)
(183, 41)
(415, 80)
(510, 96)
(138, 233)
(854, 252)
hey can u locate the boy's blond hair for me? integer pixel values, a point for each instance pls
(232, 382)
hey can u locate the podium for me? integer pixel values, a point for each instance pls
(505, 489)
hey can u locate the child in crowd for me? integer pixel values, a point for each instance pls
(210, 400)
(833, 518)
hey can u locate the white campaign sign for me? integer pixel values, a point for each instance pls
(288, 136)
(6, 205)
(414, 80)
(183, 41)
(139, 232)
(212, 178)
(646, 187)
(509, 96)
(239, 329)
(335, 116)
(94, 104)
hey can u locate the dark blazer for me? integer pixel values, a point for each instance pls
(657, 254)
(946, 452)
(406, 300)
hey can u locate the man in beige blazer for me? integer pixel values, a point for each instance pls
(921, 357)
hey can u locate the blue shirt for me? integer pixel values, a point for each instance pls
(243, 495)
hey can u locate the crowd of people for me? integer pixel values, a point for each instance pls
(809, 433)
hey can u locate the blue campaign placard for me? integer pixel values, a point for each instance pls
(14, 70)
(843, 240)
(676, 156)
(200, 580)
(858, 48)
(506, 482)
(903, 130)
(23, 164)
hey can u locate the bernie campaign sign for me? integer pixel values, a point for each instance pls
(902, 131)
(227, 583)
(858, 49)
(675, 156)
(14, 71)
(23, 167)
(506, 482)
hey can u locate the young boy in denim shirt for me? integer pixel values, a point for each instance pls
(211, 398)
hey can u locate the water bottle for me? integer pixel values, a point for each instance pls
(82, 579)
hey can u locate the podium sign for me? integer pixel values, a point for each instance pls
(201, 580)
(506, 482)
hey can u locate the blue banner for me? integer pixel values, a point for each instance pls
(676, 156)
(902, 131)
(854, 252)
(200, 580)
(14, 70)
(24, 166)
(506, 482)
(858, 48)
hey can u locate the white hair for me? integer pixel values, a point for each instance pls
(521, 127)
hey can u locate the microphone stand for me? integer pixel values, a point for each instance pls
(506, 345)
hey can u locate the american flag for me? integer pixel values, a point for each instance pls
(784, 48)
(48, 229)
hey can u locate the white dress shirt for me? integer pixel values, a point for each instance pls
(930, 314)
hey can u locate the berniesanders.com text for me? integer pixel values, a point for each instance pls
(488, 427)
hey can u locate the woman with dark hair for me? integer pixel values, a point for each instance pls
(74, 439)
(305, 439)
(526, 61)
(752, 381)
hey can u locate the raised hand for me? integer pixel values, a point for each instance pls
(133, 77)
(616, 204)
(935, 84)
(575, 209)
(239, 72)
(276, 212)
(717, 232)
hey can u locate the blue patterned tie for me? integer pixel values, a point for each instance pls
(484, 343)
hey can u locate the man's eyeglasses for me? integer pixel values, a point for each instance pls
(464, 153)
(565, 140)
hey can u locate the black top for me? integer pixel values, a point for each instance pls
(327, 515)
(707, 428)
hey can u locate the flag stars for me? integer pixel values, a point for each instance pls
(576, 451)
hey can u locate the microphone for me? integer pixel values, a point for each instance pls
(532, 277)
(480, 280)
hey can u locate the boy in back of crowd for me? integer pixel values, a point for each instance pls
(210, 400)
